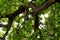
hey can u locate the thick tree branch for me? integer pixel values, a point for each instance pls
(36, 22)
(21, 9)
(45, 5)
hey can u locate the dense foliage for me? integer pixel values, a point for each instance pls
(21, 29)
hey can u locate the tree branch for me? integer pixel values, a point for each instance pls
(45, 5)
(21, 9)
(8, 27)
(1, 25)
